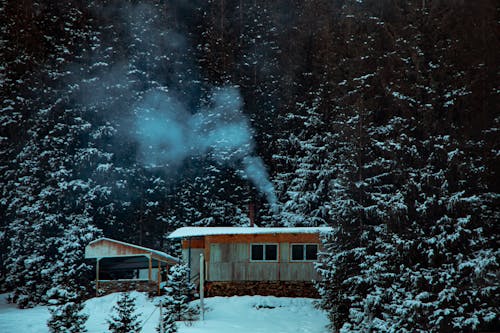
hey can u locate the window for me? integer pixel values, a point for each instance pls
(304, 252)
(264, 252)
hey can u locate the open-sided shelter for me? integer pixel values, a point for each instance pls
(123, 266)
(252, 260)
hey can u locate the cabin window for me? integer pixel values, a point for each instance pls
(304, 252)
(264, 252)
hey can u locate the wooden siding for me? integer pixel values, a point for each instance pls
(195, 262)
(106, 248)
(295, 271)
(264, 238)
(196, 243)
(231, 262)
(227, 262)
(228, 258)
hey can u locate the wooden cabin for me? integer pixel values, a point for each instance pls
(253, 261)
(123, 266)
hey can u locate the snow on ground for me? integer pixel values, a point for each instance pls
(244, 314)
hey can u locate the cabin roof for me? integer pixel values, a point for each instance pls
(116, 248)
(187, 232)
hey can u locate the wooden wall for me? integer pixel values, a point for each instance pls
(231, 262)
(227, 258)
(195, 262)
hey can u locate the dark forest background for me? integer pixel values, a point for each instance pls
(376, 117)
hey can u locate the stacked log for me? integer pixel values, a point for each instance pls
(263, 288)
(108, 287)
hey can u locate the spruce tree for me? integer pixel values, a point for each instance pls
(66, 316)
(179, 291)
(125, 320)
(408, 183)
(168, 321)
(175, 303)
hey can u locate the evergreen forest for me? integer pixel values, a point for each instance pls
(131, 118)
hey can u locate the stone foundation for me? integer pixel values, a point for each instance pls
(263, 288)
(113, 286)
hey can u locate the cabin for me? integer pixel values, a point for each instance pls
(253, 260)
(123, 266)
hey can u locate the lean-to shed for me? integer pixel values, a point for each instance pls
(251, 260)
(123, 266)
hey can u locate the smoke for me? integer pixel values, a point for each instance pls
(256, 172)
(168, 133)
(169, 122)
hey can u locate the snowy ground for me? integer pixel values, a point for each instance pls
(246, 314)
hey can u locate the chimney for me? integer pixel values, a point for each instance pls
(251, 213)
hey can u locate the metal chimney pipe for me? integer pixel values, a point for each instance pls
(251, 213)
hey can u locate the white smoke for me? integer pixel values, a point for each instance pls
(168, 133)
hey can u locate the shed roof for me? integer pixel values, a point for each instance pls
(186, 232)
(109, 248)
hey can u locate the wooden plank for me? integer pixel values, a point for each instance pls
(228, 252)
(196, 243)
(284, 252)
(109, 248)
(265, 271)
(195, 262)
(105, 248)
(221, 271)
(239, 252)
(239, 271)
(265, 238)
(298, 271)
(216, 252)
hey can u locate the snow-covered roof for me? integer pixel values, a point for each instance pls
(208, 231)
(90, 252)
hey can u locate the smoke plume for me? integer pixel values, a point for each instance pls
(168, 133)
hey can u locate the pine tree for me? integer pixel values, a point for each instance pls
(168, 321)
(307, 171)
(175, 303)
(178, 292)
(125, 319)
(406, 229)
(67, 316)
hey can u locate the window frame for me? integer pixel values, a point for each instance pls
(304, 252)
(264, 252)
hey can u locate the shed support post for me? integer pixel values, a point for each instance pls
(150, 268)
(97, 277)
(202, 285)
(189, 259)
(158, 276)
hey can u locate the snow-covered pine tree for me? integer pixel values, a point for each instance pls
(69, 271)
(179, 291)
(168, 321)
(367, 200)
(402, 262)
(307, 171)
(51, 186)
(449, 259)
(124, 320)
(175, 303)
(66, 314)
